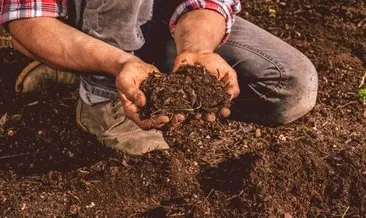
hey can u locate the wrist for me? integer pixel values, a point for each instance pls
(199, 31)
(194, 44)
(121, 61)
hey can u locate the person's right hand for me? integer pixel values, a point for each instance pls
(128, 82)
(219, 68)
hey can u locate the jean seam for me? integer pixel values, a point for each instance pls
(98, 28)
(279, 66)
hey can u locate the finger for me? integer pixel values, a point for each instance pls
(225, 112)
(131, 111)
(132, 114)
(233, 91)
(140, 99)
(138, 95)
(160, 126)
(210, 117)
(128, 106)
(230, 79)
(133, 92)
(177, 119)
(156, 122)
(233, 87)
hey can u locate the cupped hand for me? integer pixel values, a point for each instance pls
(128, 82)
(218, 67)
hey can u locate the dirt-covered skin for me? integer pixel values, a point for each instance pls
(315, 166)
(190, 90)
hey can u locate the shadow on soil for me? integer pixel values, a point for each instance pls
(35, 139)
(230, 177)
(60, 156)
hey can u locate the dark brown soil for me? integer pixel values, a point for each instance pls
(190, 90)
(313, 167)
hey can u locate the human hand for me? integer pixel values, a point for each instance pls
(218, 67)
(128, 82)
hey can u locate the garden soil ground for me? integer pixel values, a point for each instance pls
(315, 166)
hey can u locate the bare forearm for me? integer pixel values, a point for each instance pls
(53, 42)
(199, 31)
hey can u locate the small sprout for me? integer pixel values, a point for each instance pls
(362, 94)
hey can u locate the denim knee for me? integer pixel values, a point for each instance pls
(303, 91)
(273, 93)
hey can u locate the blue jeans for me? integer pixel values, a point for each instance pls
(278, 84)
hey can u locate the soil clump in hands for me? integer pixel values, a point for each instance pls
(191, 91)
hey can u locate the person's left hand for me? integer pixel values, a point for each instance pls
(218, 67)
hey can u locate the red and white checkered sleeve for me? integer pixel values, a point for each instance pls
(17, 9)
(227, 8)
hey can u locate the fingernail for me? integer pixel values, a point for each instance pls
(124, 98)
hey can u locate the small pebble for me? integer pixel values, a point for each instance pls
(225, 112)
(258, 133)
(74, 209)
(16, 117)
(210, 117)
(283, 3)
(113, 170)
(91, 205)
(282, 137)
(4, 119)
(2, 199)
(11, 132)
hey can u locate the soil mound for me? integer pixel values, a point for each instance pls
(190, 90)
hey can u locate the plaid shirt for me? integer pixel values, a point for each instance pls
(16, 9)
(227, 8)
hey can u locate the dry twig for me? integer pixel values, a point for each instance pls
(345, 212)
(362, 81)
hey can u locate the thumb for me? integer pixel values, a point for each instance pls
(136, 96)
(128, 106)
(131, 91)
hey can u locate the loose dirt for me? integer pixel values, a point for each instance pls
(190, 90)
(313, 167)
